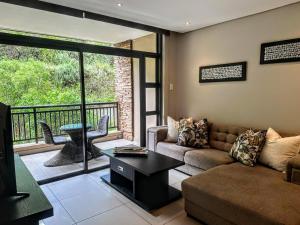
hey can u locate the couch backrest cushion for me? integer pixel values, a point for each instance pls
(222, 137)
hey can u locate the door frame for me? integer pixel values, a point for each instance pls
(158, 90)
(80, 48)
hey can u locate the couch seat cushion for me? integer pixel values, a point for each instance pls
(207, 158)
(172, 150)
(245, 195)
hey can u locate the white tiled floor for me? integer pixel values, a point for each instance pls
(86, 200)
(35, 162)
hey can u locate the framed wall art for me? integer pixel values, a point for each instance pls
(223, 72)
(280, 51)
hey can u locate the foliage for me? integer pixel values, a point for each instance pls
(34, 76)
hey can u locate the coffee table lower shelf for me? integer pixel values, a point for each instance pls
(157, 200)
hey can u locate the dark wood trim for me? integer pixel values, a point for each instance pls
(159, 80)
(243, 78)
(61, 177)
(283, 60)
(142, 101)
(69, 175)
(152, 113)
(98, 169)
(37, 42)
(55, 8)
(83, 112)
(152, 85)
(132, 90)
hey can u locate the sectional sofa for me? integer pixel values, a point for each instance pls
(225, 192)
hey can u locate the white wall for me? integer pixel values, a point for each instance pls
(43, 22)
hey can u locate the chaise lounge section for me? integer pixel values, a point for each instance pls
(225, 192)
(238, 194)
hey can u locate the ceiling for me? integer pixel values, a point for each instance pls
(41, 22)
(174, 14)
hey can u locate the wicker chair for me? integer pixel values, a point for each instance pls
(49, 138)
(102, 131)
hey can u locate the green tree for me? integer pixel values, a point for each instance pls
(34, 76)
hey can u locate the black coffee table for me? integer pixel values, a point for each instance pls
(144, 180)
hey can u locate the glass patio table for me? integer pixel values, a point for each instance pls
(75, 131)
(74, 148)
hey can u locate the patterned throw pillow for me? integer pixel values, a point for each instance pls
(248, 146)
(185, 134)
(200, 129)
(193, 134)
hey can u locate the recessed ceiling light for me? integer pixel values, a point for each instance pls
(187, 23)
(119, 4)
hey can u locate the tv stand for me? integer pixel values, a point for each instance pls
(28, 207)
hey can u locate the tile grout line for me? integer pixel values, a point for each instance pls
(173, 217)
(98, 214)
(76, 222)
(125, 204)
(106, 189)
(160, 223)
(137, 214)
(61, 205)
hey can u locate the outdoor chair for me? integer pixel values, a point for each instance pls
(49, 138)
(102, 131)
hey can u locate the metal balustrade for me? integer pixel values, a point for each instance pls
(25, 119)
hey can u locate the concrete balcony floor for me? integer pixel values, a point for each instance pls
(34, 162)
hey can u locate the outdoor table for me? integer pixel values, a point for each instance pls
(75, 147)
(75, 132)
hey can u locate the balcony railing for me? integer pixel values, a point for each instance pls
(25, 119)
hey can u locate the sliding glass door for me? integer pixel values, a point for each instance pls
(101, 102)
(87, 76)
(43, 88)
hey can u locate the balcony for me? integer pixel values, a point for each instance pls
(29, 142)
(25, 119)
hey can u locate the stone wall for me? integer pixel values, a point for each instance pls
(124, 92)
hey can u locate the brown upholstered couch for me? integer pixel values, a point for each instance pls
(224, 192)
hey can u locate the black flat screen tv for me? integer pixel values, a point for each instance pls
(7, 163)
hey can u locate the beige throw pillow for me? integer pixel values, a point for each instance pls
(277, 150)
(173, 127)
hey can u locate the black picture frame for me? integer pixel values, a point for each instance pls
(243, 76)
(278, 43)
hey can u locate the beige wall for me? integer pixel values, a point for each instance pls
(271, 94)
(169, 70)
